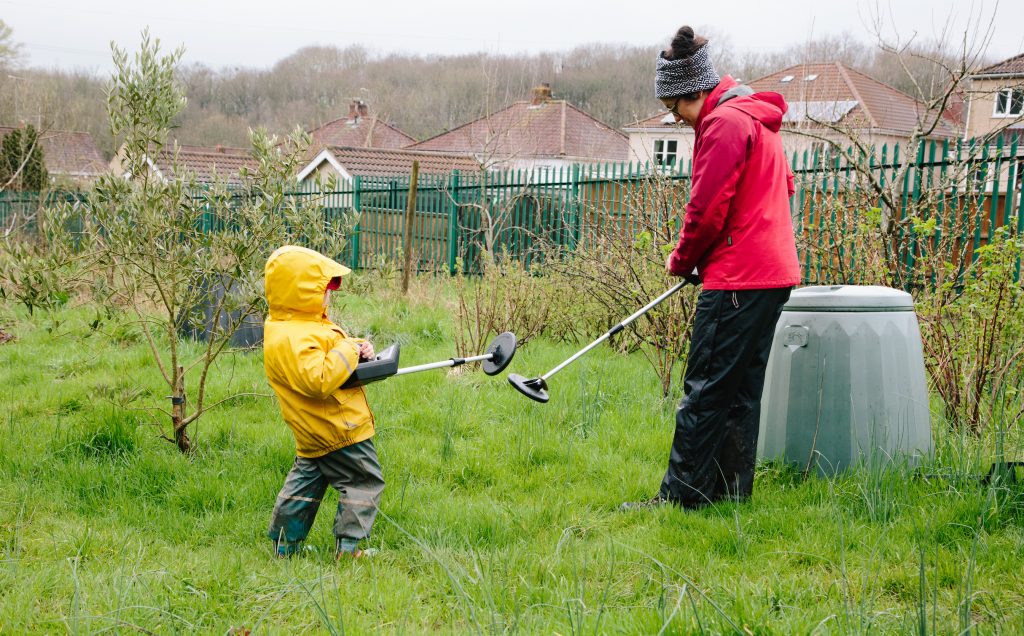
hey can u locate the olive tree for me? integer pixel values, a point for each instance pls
(159, 242)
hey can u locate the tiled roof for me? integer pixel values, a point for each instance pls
(68, 153)
(205, 162)
(878, 106)
(359, 132)
(1012, 66)
(552, 129)
(379, 162)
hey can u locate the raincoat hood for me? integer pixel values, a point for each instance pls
(767, 108)
(295, 279)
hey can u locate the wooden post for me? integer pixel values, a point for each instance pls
(410, 215)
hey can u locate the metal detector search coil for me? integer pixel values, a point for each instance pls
(497, 356)
(537, 388)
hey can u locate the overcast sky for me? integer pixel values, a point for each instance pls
(256, 33)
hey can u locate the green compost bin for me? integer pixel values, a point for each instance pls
(845, 381)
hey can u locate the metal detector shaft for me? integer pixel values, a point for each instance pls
(451, 362)
(617, 328)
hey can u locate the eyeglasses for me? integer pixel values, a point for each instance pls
(689, 97)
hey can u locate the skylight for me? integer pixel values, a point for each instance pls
(788, 78)
(811, 77)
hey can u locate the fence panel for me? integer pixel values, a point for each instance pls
(853, 213)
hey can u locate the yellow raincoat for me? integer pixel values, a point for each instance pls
(307, 357)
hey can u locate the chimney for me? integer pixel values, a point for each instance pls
(541, 94)
(363, 109)
(220, 148)
(353, 111)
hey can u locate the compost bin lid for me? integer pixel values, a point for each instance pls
(867, 298)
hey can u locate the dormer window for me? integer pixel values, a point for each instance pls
(786, 79)
(1009, 102)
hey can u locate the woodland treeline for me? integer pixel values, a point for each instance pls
(422, 94)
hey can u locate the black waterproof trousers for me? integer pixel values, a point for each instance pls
(715, 443)
(355, 473)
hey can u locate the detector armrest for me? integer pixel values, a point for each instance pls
(383, 366)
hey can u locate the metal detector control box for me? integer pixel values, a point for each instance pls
(383, 366)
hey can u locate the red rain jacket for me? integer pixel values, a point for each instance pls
(737, 231)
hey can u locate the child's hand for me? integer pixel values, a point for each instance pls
(366, 351)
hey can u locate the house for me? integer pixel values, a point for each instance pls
(344, 163)
(660, 141)
(536, 134)
(71, 157)
(995, 101)
(360, 129)
(995, 113)
(821, 99)
(208, 164)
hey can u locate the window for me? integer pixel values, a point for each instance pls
(1009, 102)
(665, 152)
(788, 78)
(811, 77)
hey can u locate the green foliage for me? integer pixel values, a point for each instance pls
(21, 161)
(39, 259)
(974, 334)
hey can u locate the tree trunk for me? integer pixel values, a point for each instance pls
(181, 439)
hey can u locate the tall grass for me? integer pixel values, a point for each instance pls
(499, 514)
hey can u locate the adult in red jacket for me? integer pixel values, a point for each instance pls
(737, 239)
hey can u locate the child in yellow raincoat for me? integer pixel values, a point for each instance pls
(307, 358)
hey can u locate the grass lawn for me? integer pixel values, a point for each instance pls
(499, 514)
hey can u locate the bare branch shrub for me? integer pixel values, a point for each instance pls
(619, 266)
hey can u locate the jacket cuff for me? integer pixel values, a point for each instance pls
(676, 265)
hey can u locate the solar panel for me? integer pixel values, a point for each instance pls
(828, 112)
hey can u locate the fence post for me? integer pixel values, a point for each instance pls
(453, 221)
(357, 207)
(410, 215)
(576, 220)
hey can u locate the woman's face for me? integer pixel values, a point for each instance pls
(685, 110)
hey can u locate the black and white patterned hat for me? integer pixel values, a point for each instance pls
(685, 75)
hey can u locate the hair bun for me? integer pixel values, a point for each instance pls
(684, 44)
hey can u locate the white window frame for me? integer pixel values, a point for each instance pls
(1009, 94)
(666, 152)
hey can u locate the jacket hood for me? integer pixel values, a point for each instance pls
(295, 280)
(767, 107)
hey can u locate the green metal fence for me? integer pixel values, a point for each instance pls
(912, 209)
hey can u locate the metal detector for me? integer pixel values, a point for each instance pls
(537, 388)
(385, 365)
